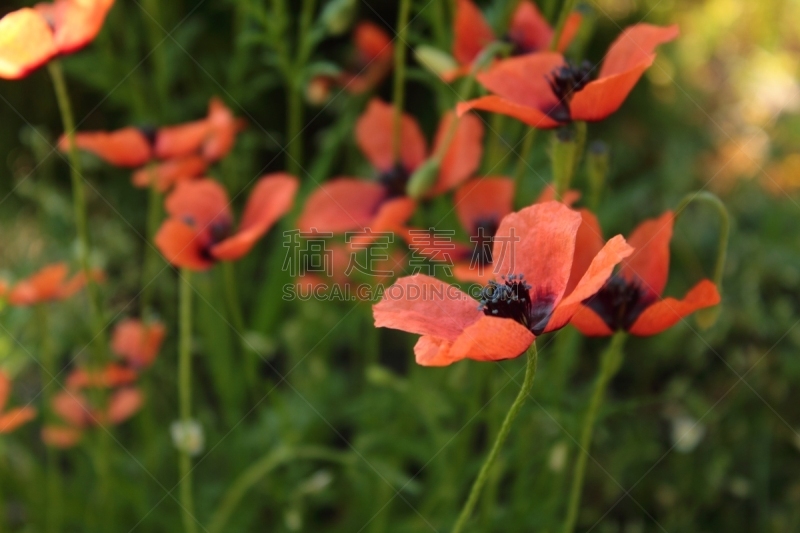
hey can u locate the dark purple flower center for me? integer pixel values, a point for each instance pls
(620, 302)
(565, 81)
(219, 230)
(149, 132)
(394, 180)
(512, 299)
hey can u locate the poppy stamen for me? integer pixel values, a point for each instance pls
(620, 302)
(513, 299)
(395, 180)
(565, 81)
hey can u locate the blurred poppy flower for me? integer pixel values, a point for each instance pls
(631, 299)
(346, 204)
(109, 377)
(49, 284)
(127, 147)
(137, 342)
(30, 37)
(529, 32)
(533, 253)
(543, 90)
(11, 419)
(374, 55)
(170, 172)
(200, 228)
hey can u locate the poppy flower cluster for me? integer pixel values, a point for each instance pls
(167, 155)
(51, 283)
(30, 37)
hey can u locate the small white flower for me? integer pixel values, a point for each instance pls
(558, 457)
(686, 433)
(188, 436)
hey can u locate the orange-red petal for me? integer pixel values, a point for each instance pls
(199, 203)
(136, 342)
(127, 147)
(182, 140)
(667, 312)
(635, 45)
(548, 194)
(600, 269)
(529, 30)
(223, 128)
(588, 243)
(390, 218)
(123, 404)
(110, 376)
(489, 198)
(649, 263)
(523, 80)
(539, 243)
(72, 408)
(14, 418)
(26, 43)
(603, 96)
(463, 155)
(424, 305)
(44, 285)
(473, 273)
(61, 436)
(492, 339)
(5, 389)
(76, 22)
(497, 104)
(342, 204)
(272, 197)
(372, 42)
(170, 172)
(374, 136)
(183, 245)
(589, 323)
(471, 32)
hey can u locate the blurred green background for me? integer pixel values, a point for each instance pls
(700, 430)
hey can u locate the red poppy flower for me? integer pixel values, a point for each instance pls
(127, 147)
(109, 377)
(11, 419)
(529, 33)
(533, 254)
(346, 204)
(31, 37)
(136, 342)
(212, 136)
(631, 299)
(374, 56)
(544, 91)
(199, 230)
(170, 172)
(61, 436)
(76, 409)
(49, 284)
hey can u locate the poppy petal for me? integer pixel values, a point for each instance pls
(570, 30)
(60, 436)
(471, 32)
(428, 244)
(271, 198)
(669, 311)
(649, 263)
(372, 42)
(529, 115)
(75, 24)
(182, 140)
(44, 285)
(123, 404)
(635, 45)
(600, 269)
(14, 418)
(136, 342)
(222, 131)
(548, 194)
(432, 351)
(588, 243)
(182, 245)
(589, 323)
(392, 215)
(374, 137)
(170, 172)
(71, 407)
(479, 200)
(424, 305)
(466, 271)
(529, 30)
(464, 153)
(5, 389)
(603, 96)
(523, 80)
(200, 203)
(342, 204)
(538, 242)
(492, 339)
(127, 147)
(26, 43)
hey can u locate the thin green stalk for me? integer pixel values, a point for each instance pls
(609, 364)
(150, 253)
(494, 148)
(235, 308)
(524, 155)
(483, 475)
(257, 471)
(294, 126)
(185, 396)
(399, 76)
(48, 367)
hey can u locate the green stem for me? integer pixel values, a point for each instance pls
(150, 253)
(48, 367)
(235, 307)
(257, 471)
(522, 163)
(494, 148)
(724, 227)
(399, 76)
(566, 9)
(609, 364)
(294, 126)
(483, 475)
(185, 396)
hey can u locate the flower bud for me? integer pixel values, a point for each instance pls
(318, 90)
(187, 436)
(423, 179)
(437, 61)
(337, 16)
(563, 159)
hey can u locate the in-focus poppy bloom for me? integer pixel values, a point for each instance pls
(137, 342)
(545, 91)
(11, 419)
(374, 57)
(631, 299)
(109, 377)
(533, 254)
(199, 230)
(49, 284)
(30, 37)
(480, 205)
(529, 32)
(346, 204)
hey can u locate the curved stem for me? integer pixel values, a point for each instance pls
(609, 364)
(724, 227)
(399, 76)
(185, 396)
(256, 471)
(483, 475)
